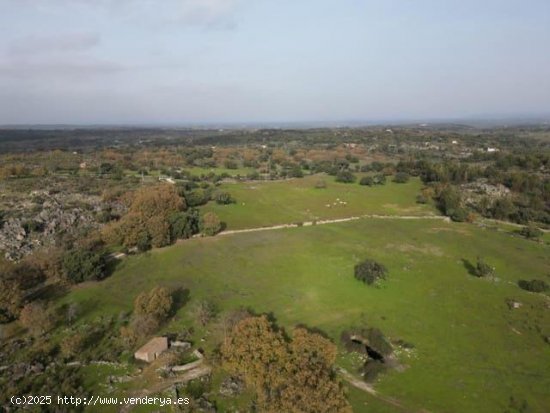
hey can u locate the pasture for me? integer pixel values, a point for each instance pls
(266, 203)
(471, 352)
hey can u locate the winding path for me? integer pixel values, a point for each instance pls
(334, 221)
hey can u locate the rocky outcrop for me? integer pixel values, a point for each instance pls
(42, 221)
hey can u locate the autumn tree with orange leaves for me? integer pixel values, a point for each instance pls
(288, 375)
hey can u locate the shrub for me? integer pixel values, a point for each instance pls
(204, 312)
(210, 224)
(379, 179)
(295, 172)
(73, 344)
(83, 265)
(345, 177)
(184, 225)
(224, 198)
(421, 199)
(37, 317)
(401, 177)
(230, 164)
(483, 269)
(370, 271)
(449, 202)
(531, 231)
(459, 215)
(320, 184)
(367, 180)
(197, 197)
(143, 242)
(535, 286)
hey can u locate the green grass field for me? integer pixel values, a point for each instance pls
(471, 353)
(265, 203)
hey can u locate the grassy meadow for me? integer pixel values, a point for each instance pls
(471, 352)
(265, 203)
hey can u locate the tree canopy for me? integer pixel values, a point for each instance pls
(292, 375)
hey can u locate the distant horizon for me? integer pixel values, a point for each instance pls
(464, 121)
(197, 62)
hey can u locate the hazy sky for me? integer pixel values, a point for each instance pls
(178, 61)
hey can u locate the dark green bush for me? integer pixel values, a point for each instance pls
(370, 271)
(345, 177)
(83, 265)
(367, 180)
(535, 286)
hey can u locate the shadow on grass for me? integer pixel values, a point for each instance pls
(110, 267)
(314, 330)
(181, 297)
(49, 292)
(469, 267)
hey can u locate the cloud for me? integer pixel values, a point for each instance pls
(60, 43)
(59, 69)
(207, 13)
(63, 56)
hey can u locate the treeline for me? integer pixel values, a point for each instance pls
(524, 176)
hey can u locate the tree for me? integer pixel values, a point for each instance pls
(156, 303)
(159, 231)
(83, 265)
(311, 359)
(15, 281)
(184, 225)
(504, 208)
(288, 375)
(160, 200)
(449, 201)
(210, 224)
(370, 271)
(149, 212)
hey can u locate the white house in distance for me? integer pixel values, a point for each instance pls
(152, 349)
(490, 150)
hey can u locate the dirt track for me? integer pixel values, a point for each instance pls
(334, 221)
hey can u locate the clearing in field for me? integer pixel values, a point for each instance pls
(266, 203)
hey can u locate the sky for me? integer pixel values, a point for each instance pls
(208, 61)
